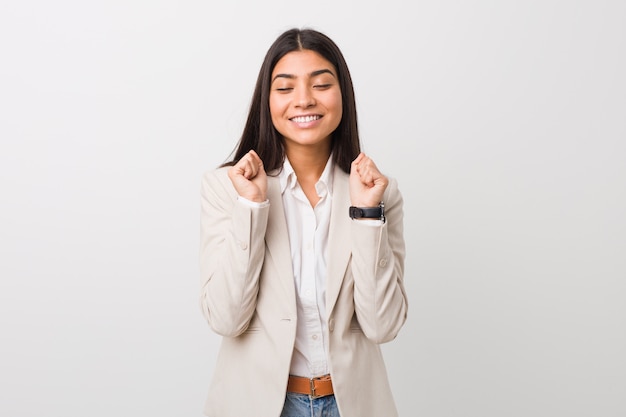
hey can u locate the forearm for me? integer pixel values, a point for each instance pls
(378, 254)
(231, 256)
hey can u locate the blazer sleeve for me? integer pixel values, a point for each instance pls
(232, 250)
(378, 254)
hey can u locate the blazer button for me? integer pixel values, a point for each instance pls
(331, 325)
(382, 263)
(243, 245)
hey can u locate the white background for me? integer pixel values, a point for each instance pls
(504, 122)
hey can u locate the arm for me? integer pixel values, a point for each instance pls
(232, 251)
(378, 254)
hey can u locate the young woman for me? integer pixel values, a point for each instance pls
(302, 250)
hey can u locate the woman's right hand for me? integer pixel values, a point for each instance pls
(249, 178)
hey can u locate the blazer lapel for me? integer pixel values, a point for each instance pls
(339, 249)
(277, 237)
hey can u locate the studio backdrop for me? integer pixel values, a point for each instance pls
(504, 123)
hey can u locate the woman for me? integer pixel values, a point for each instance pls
(302, 251)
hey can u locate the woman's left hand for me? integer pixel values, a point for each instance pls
(367, 183)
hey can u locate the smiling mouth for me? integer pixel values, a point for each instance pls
(305, 119)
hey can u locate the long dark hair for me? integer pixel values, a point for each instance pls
(259, 132)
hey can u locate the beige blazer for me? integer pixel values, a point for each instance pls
(248, 297)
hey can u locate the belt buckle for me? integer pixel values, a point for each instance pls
(312, 394)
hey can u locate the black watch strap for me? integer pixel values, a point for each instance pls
(368, 212)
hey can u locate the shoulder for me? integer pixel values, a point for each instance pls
(216, 174)
(392, 193)
(392, 184)
(217, 181)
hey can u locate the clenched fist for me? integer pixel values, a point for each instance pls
(249, 178)
(367, 184)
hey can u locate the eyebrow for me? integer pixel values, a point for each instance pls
(313, 74)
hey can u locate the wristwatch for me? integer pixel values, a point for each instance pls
(368, 212)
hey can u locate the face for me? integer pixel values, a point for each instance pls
(305, 100)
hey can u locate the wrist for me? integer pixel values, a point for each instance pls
(372, 212)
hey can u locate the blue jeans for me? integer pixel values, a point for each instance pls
(302, 405)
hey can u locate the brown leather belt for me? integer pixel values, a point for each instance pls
(315, 387)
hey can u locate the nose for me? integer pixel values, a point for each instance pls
(304, 98)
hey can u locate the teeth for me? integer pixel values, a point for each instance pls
(305, 119)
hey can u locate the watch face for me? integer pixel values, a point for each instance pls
(356, 213)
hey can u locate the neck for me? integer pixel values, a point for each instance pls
(308, 164)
